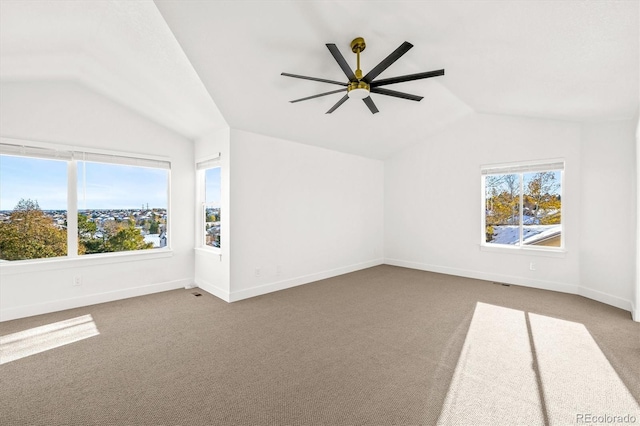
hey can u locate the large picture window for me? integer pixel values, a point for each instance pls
(121, 207)
(523, 205)
(33, 206)
(121, 203)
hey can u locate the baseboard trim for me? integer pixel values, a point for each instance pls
(635, 313)
(606, 298)
(487, 276)
(599, 296)
(212, 289)
(91, 299)
(305, 279)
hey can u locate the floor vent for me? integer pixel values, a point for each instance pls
(503, 284)
(196, 294)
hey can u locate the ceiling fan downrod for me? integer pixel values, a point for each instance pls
(358, 89)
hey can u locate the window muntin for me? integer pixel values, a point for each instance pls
(211, 207)
(121, 207)
(33, 208)
(523, 205)
(115, 178)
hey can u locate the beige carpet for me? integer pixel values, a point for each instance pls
(382, 346)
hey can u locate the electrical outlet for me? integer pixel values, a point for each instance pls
(77, 281)
(532, 266)
(258, 272)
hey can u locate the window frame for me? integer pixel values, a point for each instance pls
(72, 155)
(522, 168)
(211, 162)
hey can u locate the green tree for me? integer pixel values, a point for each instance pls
(153, 227)
(124, 236)
(87, 241)
(31, 234)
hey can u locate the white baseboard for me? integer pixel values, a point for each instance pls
(91, 299)
(293, 282)
(487, 276)
(212, 289)
(635, 312)
(599, 296)
(606, 298)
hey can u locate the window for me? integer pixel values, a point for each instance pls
(33, 205)
(210, 195)
(120, 203)
(122, 207)
(522, 205)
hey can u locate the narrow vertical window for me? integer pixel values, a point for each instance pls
(209, 199)
(211, 207)
(523, 205)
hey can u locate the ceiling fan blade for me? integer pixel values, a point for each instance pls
(341, 61)
(386, 62)
(340, 102)
(408, 77)
(370, 104)
(322, 80)
(402, 95)
(317, 96)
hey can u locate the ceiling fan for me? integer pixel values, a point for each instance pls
(359, 87)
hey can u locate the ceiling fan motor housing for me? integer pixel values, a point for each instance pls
(358, 90)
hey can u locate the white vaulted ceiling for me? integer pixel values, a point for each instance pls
(565, 60)
(121, 49)
(568, 60)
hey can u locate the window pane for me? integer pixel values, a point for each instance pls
(502, 215)
(121, 208)
(33, 208)
(212, 207)
(542, 209)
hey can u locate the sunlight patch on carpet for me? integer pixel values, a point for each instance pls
(522, 368)
(494, 380)
(39, 339)
(579, 382)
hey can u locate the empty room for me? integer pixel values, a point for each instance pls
(319, 212)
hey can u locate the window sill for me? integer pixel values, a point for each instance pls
(208, 250)
(37, 265)
(525, 251)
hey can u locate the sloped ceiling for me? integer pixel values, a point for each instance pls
(120, 49)
(566, 60)
(194, 65)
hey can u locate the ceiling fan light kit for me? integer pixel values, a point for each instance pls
(358, 90)
(361, 87)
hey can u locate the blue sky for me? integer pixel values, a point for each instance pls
(212, 187)
(100, 186)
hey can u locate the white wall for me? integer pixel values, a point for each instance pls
(433, 205)
(300, 213)
(608, 221)
(636, 302)
(70, 114)
(212, 269)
